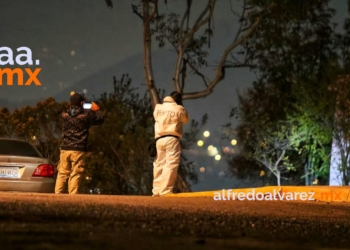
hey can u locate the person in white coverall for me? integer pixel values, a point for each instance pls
(169, 118)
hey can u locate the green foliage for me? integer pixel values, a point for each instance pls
(48, 135)
(286, 117)
(6, 128)
(38, 125)
(293, 40)
(187, 168)
(314, 108)
(169, 28)
(119, 163)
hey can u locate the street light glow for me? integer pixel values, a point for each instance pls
(206, 133)
(200, 143)
(234, 142)
(212, 151)
(217, 157)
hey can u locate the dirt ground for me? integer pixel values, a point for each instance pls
(48, 221)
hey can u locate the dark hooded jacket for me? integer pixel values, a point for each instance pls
(75, 127)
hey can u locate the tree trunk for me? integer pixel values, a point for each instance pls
(343, 166)
(309, 178)
(278, 175)
(147, 41)
(306, 170)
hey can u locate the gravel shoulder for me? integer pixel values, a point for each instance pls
(48, 221)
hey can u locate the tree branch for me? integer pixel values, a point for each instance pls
(185, 16)
(147, 18)
(220, 70)
(196, 71)
(186, 39)
(199, 22)
(135, 11)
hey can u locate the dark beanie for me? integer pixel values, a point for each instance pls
(177, 97)
(76, 99)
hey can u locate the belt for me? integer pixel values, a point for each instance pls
(167, 136)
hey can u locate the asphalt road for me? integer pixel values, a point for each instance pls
(48, 221)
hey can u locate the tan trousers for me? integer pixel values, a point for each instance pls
(71, 167)
(165, 165)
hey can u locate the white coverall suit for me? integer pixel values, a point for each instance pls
(169, 118)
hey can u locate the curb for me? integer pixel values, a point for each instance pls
(288, 193)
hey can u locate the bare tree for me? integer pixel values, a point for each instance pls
(189, 42)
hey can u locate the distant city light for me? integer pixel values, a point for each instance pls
(226, 149)
(212, 151)
(234, 142)
(72, 53)
(217, 157)
(200, 143)
(202, 169)
(72, 93)
(84, 91)
(206, 133)
(222, 174)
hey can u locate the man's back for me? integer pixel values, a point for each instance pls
(75, 127)
(169, 118)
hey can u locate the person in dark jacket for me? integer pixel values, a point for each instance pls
(76, 122)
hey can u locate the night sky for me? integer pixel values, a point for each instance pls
(82, 44)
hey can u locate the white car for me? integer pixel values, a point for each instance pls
(23, 168)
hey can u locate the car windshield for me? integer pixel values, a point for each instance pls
(18, 148)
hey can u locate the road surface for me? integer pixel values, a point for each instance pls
(48, 221)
